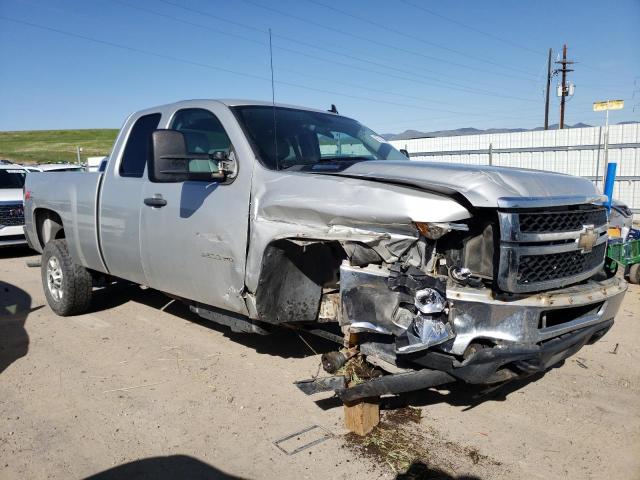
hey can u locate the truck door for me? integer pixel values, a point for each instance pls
(194, 246)
(120, 197)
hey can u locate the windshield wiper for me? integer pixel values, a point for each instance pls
(342, 159)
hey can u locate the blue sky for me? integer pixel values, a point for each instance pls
(393, 65)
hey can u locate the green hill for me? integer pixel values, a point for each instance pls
(42, 146)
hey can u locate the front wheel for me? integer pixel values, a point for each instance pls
(67, 286)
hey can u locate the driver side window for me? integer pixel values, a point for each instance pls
(203, 133)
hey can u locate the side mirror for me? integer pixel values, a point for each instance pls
(169, 160)
(404, 152)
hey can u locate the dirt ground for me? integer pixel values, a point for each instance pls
(141, 388)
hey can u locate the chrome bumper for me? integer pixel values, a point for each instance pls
(477, 314)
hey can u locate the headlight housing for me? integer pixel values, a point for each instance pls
(435, 230)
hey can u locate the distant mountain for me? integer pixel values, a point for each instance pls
(408, 134)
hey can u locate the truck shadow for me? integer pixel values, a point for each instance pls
(17, 252)
(419, 471)
(459, 394)
(161, 468)
(281, 343)
(15, 305)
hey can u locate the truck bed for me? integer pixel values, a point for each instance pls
(73, 196)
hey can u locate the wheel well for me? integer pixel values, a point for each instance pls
(48, 226)
(292, 278)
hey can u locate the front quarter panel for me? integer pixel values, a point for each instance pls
(324, 207)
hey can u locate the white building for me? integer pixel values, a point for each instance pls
(576, 151)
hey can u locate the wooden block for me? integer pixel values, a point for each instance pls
(361, 417)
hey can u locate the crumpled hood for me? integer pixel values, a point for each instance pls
(482, 186)
(10, 195)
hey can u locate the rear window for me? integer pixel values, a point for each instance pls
(12, 178)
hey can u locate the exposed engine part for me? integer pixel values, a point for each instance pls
(464, 276)
(334, 361)
(429, 300)
(409, 279)
(460, 274)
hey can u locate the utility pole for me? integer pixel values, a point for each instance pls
(565, 91)
(546, 101)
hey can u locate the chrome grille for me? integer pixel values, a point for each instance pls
(542, 268)
(562, 221)
(541, 250)
(11, 214)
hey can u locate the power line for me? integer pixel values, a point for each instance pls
(379, 43)
(322, 47)
(472, 28)
(413, 37)
(208, 66)
(447, 84)
(492, 35)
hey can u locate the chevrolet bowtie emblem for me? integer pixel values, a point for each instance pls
(587, 239)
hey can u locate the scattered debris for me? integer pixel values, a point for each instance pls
(299, 441)
(34, 263)
(402, 416)
(615, 349)
(401, 447)
(581, 364)
(386, 444)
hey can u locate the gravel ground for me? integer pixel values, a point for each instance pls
(140, 388)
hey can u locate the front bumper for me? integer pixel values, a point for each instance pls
(507, 362)
(477, 315)
(13, 235)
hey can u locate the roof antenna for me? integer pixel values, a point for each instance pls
(333, 109)
(273, 102)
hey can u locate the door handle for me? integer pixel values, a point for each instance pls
(156, 202)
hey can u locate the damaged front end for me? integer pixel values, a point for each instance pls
(472, 301)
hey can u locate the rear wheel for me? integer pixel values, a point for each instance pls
(634, 273)
(67, 286)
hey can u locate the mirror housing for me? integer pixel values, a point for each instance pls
(169, 160)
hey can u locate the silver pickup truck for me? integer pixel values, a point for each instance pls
(261, 216)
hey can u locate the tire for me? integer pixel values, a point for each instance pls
(610, 267)
(634, 273)
(67, 286)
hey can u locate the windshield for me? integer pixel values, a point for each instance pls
(11, 178)
(305, 139)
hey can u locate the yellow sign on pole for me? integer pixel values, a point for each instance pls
(608, 105)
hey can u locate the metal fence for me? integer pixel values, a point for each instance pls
(576, 151)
